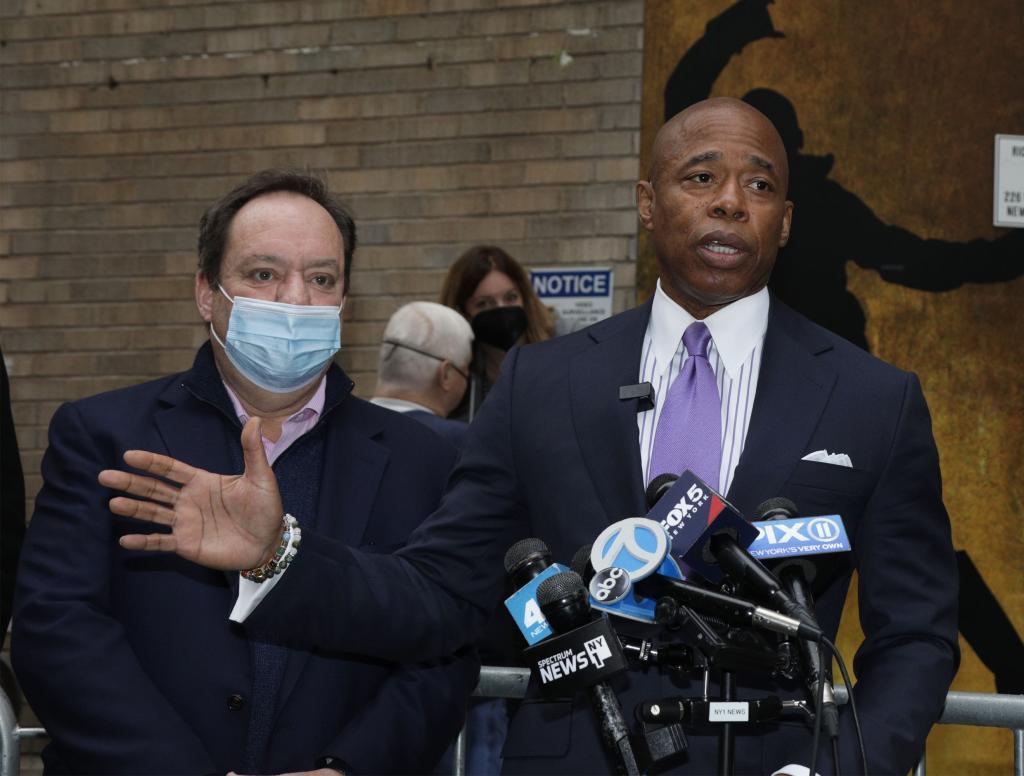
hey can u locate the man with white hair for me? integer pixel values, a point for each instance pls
(424, 366)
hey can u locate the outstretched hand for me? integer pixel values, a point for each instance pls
(228, 522)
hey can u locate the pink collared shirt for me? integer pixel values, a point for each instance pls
(294, 427)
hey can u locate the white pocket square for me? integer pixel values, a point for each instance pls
(824, 456)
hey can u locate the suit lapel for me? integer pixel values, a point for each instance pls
(792, 390)
(188, 434)
(606, 427)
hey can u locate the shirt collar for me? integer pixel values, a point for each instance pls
(736, 329)
(313, 408)
(399, 405)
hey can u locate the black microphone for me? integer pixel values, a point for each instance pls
(715, 543)
(729, 609)
(643, 393)
(581, 563)
(527, 563)
(795, 576)
(525, 560)
(748, 570)
(658, 487)
(563, 599)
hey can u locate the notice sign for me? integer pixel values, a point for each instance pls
(579, 296)
(1009, 204)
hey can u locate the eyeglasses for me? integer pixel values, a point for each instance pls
(398, 344)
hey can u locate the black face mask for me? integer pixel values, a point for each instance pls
(500, 327)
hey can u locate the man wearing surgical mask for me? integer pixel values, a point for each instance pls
(128, 660)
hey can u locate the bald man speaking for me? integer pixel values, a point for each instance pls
(556, 454)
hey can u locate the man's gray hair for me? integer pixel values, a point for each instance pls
(427, 327)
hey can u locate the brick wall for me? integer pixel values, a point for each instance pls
(443, 123)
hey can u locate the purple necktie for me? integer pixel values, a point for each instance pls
(689, 433)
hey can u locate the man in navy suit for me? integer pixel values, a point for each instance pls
(556, 454)
(128, 658)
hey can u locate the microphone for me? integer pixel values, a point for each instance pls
(690, 511)
(624, 552)
(795, 574)
(718, 543)
(580, 563)
(729, 609)
(658, 487)
(583, 654)
(813, 544)
(528, 563)
(643, 393)
(628, 559)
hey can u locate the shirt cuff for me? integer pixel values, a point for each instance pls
(793, 770)
(250, 594)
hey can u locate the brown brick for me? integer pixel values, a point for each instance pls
(527, 200)
(109, 289)
(472, 229)
(113, 314)
(581, 224)
(588, 67)
(620, 143)
(602, 92)
(85, 339)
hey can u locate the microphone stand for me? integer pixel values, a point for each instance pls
(727, 738)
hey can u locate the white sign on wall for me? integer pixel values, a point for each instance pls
(1009, 196)
(579, 296)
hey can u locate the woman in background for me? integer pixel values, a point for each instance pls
(493, 292)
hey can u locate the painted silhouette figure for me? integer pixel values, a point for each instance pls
(832, 226)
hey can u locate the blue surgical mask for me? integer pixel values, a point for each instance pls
(280, 347)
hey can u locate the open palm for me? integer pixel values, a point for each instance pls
(228, 522)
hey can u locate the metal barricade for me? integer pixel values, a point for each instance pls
(962, 708)
(11, 736)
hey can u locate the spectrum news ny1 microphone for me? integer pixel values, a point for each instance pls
(628, 558)
(796, 571)
(528, 563)
(582, 654)
(710, 536)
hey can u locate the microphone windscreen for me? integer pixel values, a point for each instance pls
(659, 487)
(775, 508)
(558, 587)
(524, 550)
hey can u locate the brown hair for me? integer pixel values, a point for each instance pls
(214, 225)
(466, 273)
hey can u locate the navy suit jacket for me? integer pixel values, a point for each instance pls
(129, 658)
(452, 430)
(555, 454)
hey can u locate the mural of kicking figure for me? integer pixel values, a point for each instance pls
(834, 226)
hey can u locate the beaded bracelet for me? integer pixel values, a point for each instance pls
(291, 538)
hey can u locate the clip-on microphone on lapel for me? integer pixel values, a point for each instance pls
(642, 392)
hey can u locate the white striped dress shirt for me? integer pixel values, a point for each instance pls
(737, 338)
